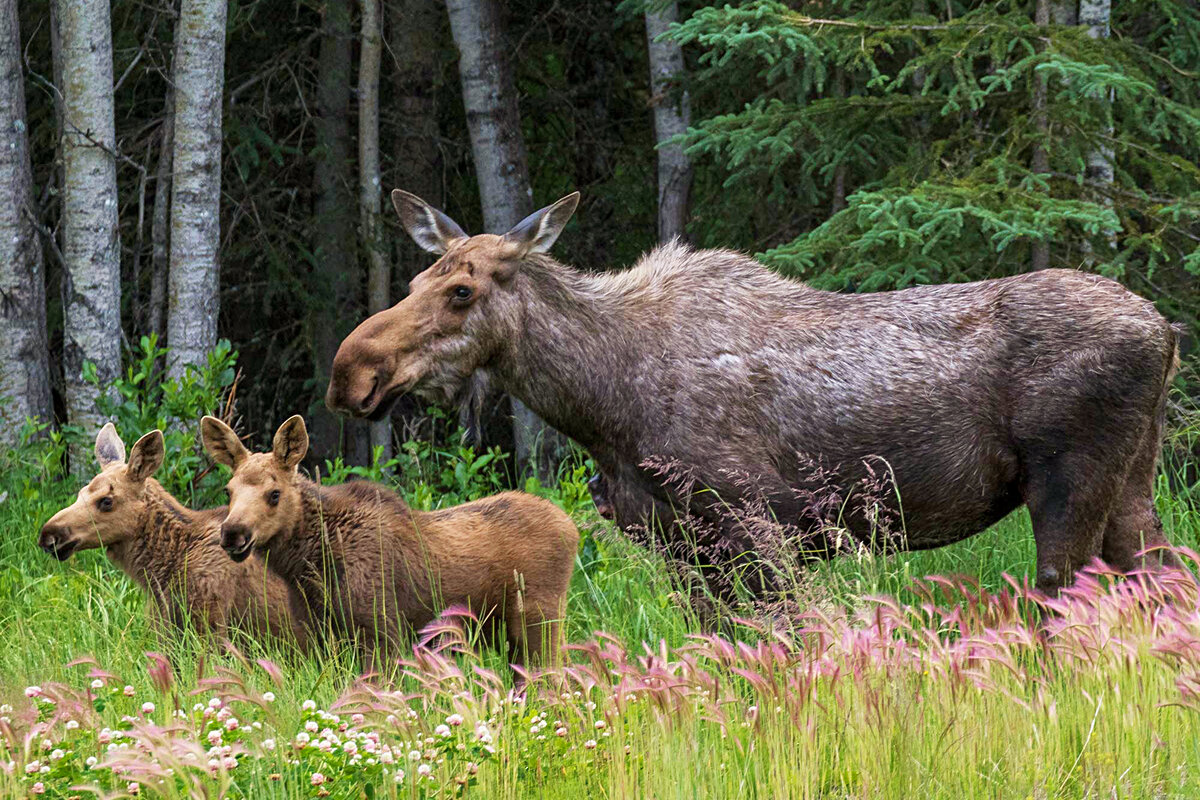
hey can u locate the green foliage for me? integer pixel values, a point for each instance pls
(144, 398)
(932, 123)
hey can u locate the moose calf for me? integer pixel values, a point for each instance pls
(172, 552)
(378, 570)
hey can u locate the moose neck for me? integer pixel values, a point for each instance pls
(572, 354)
(156, 554)
(304, 558)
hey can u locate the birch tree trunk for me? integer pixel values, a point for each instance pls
(1095, 15)
(24, 357)
(337, 274)
(672, 115)
(379, 273)
(193, 300)
(501, 168)
(91, 240)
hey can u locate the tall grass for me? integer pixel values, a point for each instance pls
(887, 690)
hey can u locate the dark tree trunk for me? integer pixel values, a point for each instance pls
(338, 276)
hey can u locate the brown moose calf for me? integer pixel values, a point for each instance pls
(377, 570)
(172, 552)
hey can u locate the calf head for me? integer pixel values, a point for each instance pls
(264, 493)
(458, 313)
(111, 508)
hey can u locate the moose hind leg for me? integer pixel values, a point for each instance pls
(1133, 523)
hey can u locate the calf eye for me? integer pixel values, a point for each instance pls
(461, 295)
(105, 503)
(273, 497)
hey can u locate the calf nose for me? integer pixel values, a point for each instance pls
(236, 540)
(55, 540)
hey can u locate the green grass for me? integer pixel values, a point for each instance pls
(1112, 728)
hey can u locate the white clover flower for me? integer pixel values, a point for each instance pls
(454, 720)
(45, 769)
(399, 776)
(38, 788)
(231, 724)
(215, 703)
(71, 724)
(424, 770)
(560, 732)
(303, 736)
(357, 719)
(317, 779)
(311, 726)
(386, 757)
(309, 705)
(129, 691)
(350, 748)
(442, 731)
(600, 724)
(57, 754)
(590, 744)
(268, 744)
(33, 691)
(32, 767)
(147, 708)
(214, 736)
(269, 697)
(229, 762)
(90, 762)
(414, 755)
(198, 707)
(97, 684)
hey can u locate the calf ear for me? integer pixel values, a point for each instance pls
(291, 442)
(430, 229)
(109, 447)
(222, 443)
(145, 457)
(538, 232)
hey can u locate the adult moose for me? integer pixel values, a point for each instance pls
(1046, 388)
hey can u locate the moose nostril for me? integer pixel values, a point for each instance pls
(368, 399)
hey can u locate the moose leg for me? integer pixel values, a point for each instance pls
(1133, 524)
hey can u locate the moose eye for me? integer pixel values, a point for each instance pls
(104, 503)
(273, 498)
(461, 294)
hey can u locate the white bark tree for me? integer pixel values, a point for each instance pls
(90, 236)
(1095, 16)
(672, 116)
(501, 167)
(193, 300)
(379, 273)
(24, 359)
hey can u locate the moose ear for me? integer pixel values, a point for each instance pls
(109, 447)
(432, 230)
(537, 232)
(146, 456)
(291, 442)
(222, 443)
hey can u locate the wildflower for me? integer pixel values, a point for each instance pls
(57, 755)
(198, 707)
(317, 779)
(72, 724)
(309, 705)
(269, 697)
(357, 719)
(224, 714)
(560, 732)
(414, 755)
(231, 724)
(472, 767)
(129, 691)
(600, 724)
(386, 757)
(33, 691)
(90, 762)
(38, 788)
(424, 770)
(454, 720)
(215, 703)
(442, 731)
(302, 739)
(97, 684)
(133, 788)
(214, 736)
(399, 776)
(311, 726)
(268, 744)
(590, 744)
(147, 708)
(391, 719)
(350, 748)
(45, 769)
(32, 767)
(229, 762)
(5, 709)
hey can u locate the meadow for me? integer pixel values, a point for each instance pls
(869, 682)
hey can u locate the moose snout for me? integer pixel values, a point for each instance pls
(236, 539)
(56, 540)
